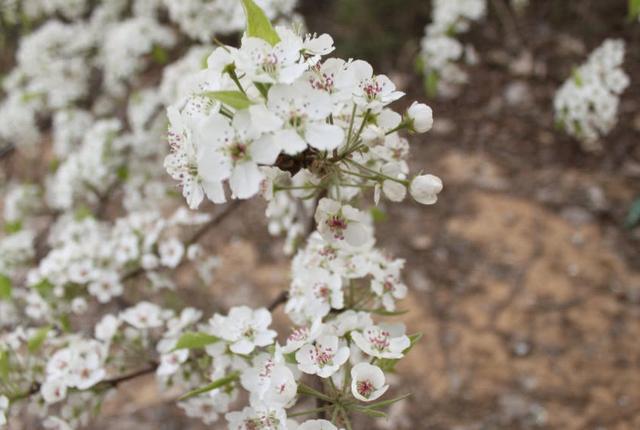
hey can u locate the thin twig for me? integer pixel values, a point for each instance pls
(217, 219)
(6, 150)
(279, 300)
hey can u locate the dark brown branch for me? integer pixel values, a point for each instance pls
(217, 219)
(195, 237)
(279, 300)
(112, 382)
(7, 150)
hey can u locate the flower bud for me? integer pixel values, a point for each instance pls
(421, 117)
(425, 188)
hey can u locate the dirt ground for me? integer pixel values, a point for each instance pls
(522, 278)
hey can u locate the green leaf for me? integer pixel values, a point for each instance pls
(83, 212)
(634, 9)
(235, 99)
(160, 55)
(431, 83)
(36, 341)
(13, 227)
(383, 312)
(215, 384)
(290, 358)
(389, 364)
(65, 323)
(371, 412)
(378, 215)
(44, 288)
(384, 403)
(258, 25)
(633, 217)
(5, 287)
(4, 365)
(195, 340)
(123, 173)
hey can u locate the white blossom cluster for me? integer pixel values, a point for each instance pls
(315, 136)
(586, 105)
(15, 10)
(203, 19)
(441, 51)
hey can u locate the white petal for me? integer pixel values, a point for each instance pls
(245, 180)
(264, 150)
(263, 119)
(290, 141)
(325, 137)
(214, 191)
(357, 234)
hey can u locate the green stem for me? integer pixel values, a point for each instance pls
(308, 412)
(305, 389)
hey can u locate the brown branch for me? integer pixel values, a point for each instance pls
(112, 382)
(6, 150)
(217, 219)
(195, 237)
(279, 300)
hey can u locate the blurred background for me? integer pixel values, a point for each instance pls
(525, 277)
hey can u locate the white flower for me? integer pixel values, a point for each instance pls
(304, 112)
(53, 390)
(262, 62)
(269, 382)
(421, 117)
(382, 341)
(393, 190)
(323, 358)
(106, 328)
(207, 407)
(302, 336)
(80, 365)
(258, 418)
(425, 188)
(389, 287)
(337, 222)
(586, 106)
(234, 151)
(244, 328)
(170, 362)
(106, 287)
(367, 382)
(144, 315)
(315, 292)
(171, 252)
(183, 162)
(372, 92)
(317, 425)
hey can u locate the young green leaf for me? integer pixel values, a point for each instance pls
(215, 384)
(258, 25)
(13, 227)
(633, 217)
(634, 9)
(5, 287)
(36, 341)
(234, 99)
(431, 83)
(4, 365)
(44, 288)
(195, 340)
